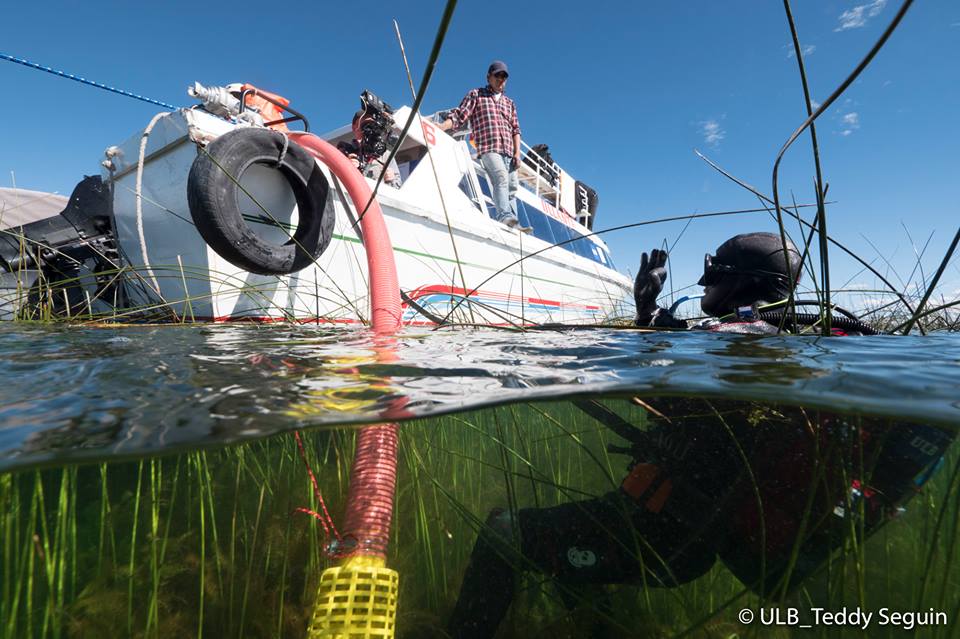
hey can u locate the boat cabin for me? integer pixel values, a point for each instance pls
(560, 209)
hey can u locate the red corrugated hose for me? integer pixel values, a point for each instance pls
(373, 479)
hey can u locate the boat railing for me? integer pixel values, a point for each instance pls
(542, 176)
(538, 174)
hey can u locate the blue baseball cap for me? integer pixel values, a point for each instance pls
(497, 66)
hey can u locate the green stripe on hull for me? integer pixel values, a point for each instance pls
(451, 260)
(354, 240)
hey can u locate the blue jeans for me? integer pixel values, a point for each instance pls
(503, 183)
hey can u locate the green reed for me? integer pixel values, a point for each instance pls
(208, 544)
(69, 299)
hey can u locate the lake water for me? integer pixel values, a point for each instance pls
(75, 393)
(180, 518)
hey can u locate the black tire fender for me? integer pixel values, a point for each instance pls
(213, 195)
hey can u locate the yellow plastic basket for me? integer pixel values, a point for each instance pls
(357, 600)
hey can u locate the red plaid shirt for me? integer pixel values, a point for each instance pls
(493, 122)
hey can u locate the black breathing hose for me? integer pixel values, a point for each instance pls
(809, 319)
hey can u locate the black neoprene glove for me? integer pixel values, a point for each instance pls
(649, 283)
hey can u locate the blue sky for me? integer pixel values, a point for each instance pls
(622, 92)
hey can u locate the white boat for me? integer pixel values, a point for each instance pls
(19, 207)
(138, 253)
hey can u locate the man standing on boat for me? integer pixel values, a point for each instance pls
(496, 132)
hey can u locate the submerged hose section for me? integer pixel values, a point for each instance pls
(373, 479)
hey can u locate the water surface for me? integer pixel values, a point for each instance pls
(70, 393)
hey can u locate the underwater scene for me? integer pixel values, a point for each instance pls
(197, 482)
(387, 382)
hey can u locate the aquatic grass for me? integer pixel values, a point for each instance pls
(230, 512)
(525, 461)
(9, 507)
(819, 227)
(866, 265)
(809, 123)
(953, 489)
(47, 306)
(932, 285)
(500, 455)
(250, 562)
(804, 526)
(133, 548)
(30, 550)
(234, 524)
(41, 302)
(948, 585)
(818, 184)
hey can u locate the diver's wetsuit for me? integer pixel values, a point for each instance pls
(690, 498)
(596, 541)
(757, 326)
(718, 479)
(624, 536)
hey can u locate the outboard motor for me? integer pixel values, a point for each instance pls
(74, 255)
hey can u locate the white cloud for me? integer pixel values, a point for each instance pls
(858, 16)
(850, 122)
(712, 133)
(805, 50)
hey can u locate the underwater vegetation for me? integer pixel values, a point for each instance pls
(210, 543)
(711, 507)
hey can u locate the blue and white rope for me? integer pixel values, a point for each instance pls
(34, 65)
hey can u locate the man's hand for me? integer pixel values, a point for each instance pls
(446, 125)
(649, 283)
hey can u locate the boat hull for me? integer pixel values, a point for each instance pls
(454, 263)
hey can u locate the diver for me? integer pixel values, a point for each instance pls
(746, 286)
(767, 491)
